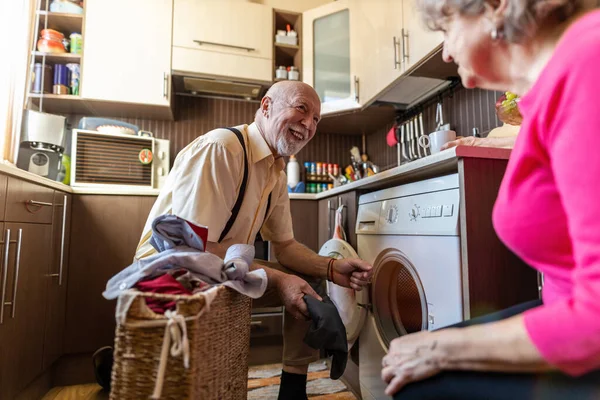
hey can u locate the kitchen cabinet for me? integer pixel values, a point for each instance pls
(105, 231)
(57, 283)
(330, 57)
(25, 259)
(327, 210)
(305, 220)
(127, 55)
(222, 38)
(419, 41)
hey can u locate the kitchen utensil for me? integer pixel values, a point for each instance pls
(392, 136)
(476, 132)
(439, 118)
(403, 141)
(417, 135)
(410, 141)
(422, 132)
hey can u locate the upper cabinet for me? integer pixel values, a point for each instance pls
(419, 41)
(127, 55)
(223, 38)
(330, 59)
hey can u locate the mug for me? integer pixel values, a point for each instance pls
(435, 140)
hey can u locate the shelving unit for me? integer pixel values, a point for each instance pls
(286, 54)
(66, 24)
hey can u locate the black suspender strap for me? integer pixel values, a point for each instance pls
(238, 202)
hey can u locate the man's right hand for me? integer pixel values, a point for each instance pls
(291, 290)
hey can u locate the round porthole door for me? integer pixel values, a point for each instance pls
(397, 297)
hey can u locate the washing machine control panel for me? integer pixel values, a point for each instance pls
(429, 213)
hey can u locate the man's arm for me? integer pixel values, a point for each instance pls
(351, 272)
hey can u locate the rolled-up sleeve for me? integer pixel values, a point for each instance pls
(206, 187)
(278, 225)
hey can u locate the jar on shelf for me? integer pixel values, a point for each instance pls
(51, 41)
(76, 43)
(293, 74)
(281, 72)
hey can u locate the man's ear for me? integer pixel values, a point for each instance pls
(265, 106)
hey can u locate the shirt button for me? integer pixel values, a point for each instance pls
(123, 286)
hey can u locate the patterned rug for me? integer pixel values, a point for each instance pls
(263, 383)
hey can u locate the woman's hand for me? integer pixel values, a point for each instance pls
(411, 358)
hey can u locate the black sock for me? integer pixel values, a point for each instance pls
(293, 386)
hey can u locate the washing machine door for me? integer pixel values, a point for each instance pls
(349, 303)
(397, 297)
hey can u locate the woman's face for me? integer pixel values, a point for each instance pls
(468, 42)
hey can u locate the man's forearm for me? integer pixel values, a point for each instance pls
(300, 258)
(272, 274)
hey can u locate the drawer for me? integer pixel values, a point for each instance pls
(263, 325)
(28, 202)
(211, 63)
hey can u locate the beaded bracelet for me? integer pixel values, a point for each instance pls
(330, 270)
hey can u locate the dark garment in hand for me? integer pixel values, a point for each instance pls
(327, 332)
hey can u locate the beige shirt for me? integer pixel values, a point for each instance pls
(204, 183)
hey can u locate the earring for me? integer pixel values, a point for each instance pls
(497, 34)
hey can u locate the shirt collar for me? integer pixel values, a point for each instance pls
(259, 149)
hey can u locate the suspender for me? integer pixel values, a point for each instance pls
(238, 203)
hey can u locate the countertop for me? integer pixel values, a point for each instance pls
(440, 163)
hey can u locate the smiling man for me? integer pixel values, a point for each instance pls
(233, 181)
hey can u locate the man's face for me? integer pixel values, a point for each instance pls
(292, 120)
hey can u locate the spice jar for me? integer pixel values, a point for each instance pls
(281, 72)
(293, 74)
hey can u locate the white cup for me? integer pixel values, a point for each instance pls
(435, 140)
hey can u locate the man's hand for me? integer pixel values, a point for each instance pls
(352, 273)
(291, 290)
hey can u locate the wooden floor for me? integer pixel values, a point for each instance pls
(263, 383)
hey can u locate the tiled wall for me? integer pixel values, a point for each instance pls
(465, 110)
(195, 116)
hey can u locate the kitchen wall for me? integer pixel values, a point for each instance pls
(195, 116)
(465, 110)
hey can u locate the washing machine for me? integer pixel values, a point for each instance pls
(410, 234)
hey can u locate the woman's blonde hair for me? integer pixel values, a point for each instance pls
(521, 21)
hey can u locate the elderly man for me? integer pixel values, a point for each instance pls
(233, 182)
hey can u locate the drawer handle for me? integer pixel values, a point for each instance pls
(14, 299)
(5, 273)
(256, 323)
(38, 204)
(201, 42)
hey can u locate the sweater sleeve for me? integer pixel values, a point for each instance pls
(567, 332)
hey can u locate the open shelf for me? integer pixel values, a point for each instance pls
(58, 58)
(62, 22)
(287, 54)
(60, 103)
(288, 49)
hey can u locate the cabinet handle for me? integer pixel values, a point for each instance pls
(405, 48)
(14, 299)
(396, 44)
(5, 273)
(62, 241)
(356, 86)
(39, 203)
(201, 42)
(165, 84)
(328, 219)
(256, 323)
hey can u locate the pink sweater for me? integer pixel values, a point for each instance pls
(548, 207)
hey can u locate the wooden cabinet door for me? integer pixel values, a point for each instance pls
(57, 283)
(24, 308)
(305, 220)
(420, 41)
(377, 25)
(224, 26)
(127, 51)
(350, 211)
(105, 231)
(326, 220)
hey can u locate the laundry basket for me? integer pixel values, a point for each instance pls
(149, 352)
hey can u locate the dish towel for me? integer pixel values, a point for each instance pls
(327, 332)
(181, 244)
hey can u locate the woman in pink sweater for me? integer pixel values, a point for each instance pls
(547, 211)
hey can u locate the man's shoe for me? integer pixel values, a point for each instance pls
(103, 362)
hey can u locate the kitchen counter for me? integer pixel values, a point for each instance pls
(445, 162)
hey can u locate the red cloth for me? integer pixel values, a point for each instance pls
(165, 284)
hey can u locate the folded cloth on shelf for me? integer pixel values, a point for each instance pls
(174, 239)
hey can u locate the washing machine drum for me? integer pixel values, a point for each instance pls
(398, 297)
(350, 304)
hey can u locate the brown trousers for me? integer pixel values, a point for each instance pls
(295, 351)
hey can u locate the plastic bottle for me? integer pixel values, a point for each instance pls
(293, 172)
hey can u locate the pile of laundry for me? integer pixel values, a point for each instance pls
(183, 267)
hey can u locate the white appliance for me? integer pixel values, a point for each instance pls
(410, 234)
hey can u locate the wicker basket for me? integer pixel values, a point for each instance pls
(218, 340)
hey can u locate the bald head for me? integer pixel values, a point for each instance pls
(288, 116)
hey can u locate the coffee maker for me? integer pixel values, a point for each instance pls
(42, 143)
